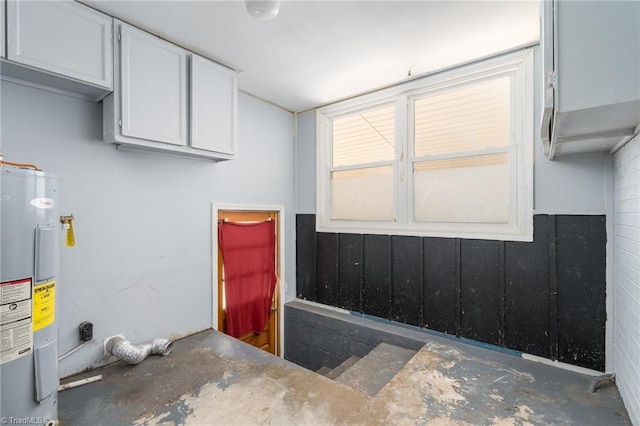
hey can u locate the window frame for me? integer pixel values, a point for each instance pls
(517, 65)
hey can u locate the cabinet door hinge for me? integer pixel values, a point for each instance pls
(119, 36)
(120, 122)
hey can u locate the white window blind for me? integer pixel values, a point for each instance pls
(472, 117)
(365, 137)
(362, 183)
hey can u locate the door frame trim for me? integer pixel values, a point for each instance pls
(215, 207)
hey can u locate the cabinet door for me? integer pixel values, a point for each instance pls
(63, 37)
(213, 106)
(153, 88)
(598, 46)
(3, 54)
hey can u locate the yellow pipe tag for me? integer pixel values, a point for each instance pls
(71, 239)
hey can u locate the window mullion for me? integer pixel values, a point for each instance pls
(403, 152)
(323, 173)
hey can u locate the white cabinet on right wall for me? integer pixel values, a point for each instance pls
(3, 30)
(214, 102)
(591, 75)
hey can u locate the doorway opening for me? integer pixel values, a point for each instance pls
(268, 339)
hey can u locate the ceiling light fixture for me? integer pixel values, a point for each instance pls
(263, 9)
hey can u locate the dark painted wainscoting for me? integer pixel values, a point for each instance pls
(544, 298)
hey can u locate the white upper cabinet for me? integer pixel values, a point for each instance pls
(153, 91)
(168, 100)
(61, 37)
(213, 106)
(591, 72)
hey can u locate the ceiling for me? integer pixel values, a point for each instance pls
(317, 52)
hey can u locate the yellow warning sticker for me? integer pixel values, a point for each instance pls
(71, 239)
(44, 305)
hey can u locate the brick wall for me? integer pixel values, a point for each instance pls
(627, 275)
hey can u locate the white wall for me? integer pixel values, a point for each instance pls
(626, 282)
(142, 260)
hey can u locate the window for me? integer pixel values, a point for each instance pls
(446, 155)
(363, 156)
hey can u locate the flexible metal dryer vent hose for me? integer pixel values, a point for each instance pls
(135, 354)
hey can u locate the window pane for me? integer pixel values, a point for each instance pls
(362, 194)
(365, 137)
(467, 118)
(470, 189)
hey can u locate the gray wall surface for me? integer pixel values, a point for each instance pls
(306, 162)
(574, 185)
(142, 260)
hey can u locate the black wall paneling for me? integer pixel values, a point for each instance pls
(350, 271)
(581, 290)
(306, 256)
(501, 293)
(458, 287)
(440, 284)
(406, 283)
(327, 269)
(376, 288)
(545, 298)
(480, 295)
(553, 289)
(527, 294)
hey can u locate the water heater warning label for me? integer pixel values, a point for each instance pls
(44, 305)
(16, 335)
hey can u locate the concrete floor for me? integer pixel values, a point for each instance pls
(211, 379)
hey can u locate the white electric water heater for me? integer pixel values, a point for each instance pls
(29, 254)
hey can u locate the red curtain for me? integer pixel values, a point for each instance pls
(248, 256)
